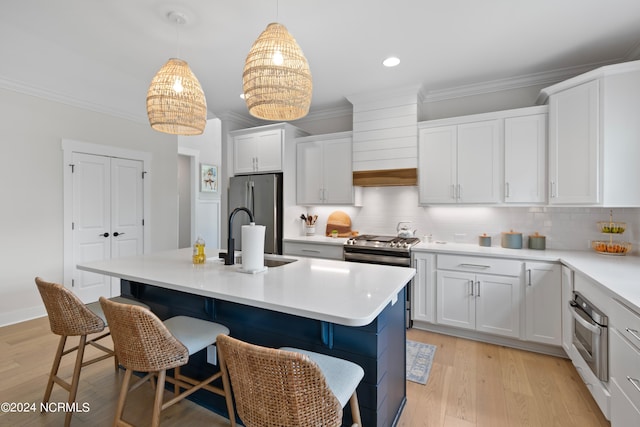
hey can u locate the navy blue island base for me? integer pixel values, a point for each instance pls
(378, 347)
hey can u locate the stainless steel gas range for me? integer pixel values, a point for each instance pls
(386, 250)
(373, 249)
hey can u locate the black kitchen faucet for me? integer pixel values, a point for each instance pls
(230, 258)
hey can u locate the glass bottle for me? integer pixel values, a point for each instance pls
(199, 256)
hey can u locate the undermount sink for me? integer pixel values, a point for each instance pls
(269, 260)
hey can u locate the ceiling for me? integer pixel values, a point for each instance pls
(102, 54)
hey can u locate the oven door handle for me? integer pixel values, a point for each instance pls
(589, 326)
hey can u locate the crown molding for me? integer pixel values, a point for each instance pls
(50, 95)
(527, 80)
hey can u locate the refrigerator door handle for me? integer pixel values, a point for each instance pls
(251, 196)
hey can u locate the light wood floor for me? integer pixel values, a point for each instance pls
(471, 384)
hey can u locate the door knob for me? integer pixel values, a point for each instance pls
(104, 235)
(116, 234)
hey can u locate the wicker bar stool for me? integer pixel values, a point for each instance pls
(288, 387)
(144, 343)
(69, 316)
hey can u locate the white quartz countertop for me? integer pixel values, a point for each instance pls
(351, 294)
(620, 275)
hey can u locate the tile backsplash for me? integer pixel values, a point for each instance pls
(383, 207)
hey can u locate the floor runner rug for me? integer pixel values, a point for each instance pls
(419, 360)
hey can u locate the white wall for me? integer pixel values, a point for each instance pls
(207, 149)
(31, 218)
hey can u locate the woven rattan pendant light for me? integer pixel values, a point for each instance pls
(276, 81)
(175, 100)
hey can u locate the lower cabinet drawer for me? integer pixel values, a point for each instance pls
(313, 250)
(503, 267)
(623, 412)
(626, 322)
(625, 366)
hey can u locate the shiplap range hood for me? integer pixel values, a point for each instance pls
(385, 137)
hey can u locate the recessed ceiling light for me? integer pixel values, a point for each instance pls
(391, 61)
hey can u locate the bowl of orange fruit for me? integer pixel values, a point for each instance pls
(611, 248)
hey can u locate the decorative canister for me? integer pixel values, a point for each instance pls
(512, 240)
(536, 241)
(484, 240)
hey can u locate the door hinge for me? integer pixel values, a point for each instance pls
(72, 167)
(73, 225)
(73, 283)
(143, 174)
(143, 222)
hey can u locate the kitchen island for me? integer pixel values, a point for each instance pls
(349, 310)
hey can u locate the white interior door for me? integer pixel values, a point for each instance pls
(107, 218)
(127, 231)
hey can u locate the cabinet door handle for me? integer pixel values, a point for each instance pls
(529, 273)
(552, 185)
(634, 382)
(116, 234)
(506, 190)
(453, 191)
(634, 333)
(107, 235)
(311, 251)
(481, 266)
(478, 284)
(471, 287)
(459, 191)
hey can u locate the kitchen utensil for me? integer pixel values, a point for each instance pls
(536, 241)
(512, 240)
(484, 240)
(404, 229)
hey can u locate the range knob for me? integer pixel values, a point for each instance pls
(405, 245)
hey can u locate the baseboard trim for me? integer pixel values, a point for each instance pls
(492, 339)
(22, 315)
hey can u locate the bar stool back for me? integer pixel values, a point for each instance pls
(144, 343)
(277, 387)
(69, 316)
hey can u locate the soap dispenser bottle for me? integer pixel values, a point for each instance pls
(199, 256)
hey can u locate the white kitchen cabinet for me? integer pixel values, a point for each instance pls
(593, 136)
(423, 287)
(469, 298)
(573, 145)
(567, 322)
(624, 351)
(257, 152)
(543, 296)
(525, 148)
(262, 149)
(460, 163)
(323, 166)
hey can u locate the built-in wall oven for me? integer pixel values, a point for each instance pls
(591, 335)
(386, 250)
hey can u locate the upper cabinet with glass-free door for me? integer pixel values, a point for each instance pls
(459, 163)
(323, 170)
(593, 137)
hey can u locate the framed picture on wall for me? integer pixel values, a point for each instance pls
(208, 178)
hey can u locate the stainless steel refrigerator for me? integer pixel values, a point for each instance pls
(262, 194)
